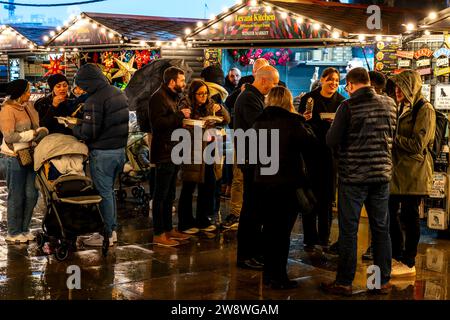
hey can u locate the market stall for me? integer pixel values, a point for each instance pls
(121, 44)
(23, 53)
(300, 38)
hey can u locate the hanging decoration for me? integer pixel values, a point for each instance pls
(246, 57)
(55, 66)
(126, 69)
(108, 59)
(107, 71)
(85, 57)
(144, 57)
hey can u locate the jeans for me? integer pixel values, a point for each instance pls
(22, 196)
(279, 211)
(351, 199)
(163, 197)
(249, 235)
(404, 228)
(205, 202)
(105, 166)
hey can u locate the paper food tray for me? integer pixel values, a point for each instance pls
(213, 118)
(64, 120)
(325, 115)
(192, 122)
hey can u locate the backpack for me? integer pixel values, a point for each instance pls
(441, 128)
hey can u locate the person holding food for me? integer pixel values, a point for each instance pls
(318, 107)
(199, 175)
(57, 105)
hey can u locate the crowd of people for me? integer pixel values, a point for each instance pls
(363, 148)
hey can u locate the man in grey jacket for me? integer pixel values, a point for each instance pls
(363, 131)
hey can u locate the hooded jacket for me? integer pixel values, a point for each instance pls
(412, 160)
(105, 119)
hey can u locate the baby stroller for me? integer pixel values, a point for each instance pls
(71, 200)
(137, 169)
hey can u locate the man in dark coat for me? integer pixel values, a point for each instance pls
(164, 119)
(249, 105)
(363, 129)
(104, 129)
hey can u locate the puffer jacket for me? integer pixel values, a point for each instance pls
(412, 160)
(105, 118)
(17, 126)
(363, 129)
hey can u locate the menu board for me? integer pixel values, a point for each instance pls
(386, 59)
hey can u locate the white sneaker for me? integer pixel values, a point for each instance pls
(17, 239)
(113, 237)
(191, 231)
(29, 236)
(209, 228)
(96, 240)
(401, 270)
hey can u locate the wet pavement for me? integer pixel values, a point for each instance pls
(202, 268)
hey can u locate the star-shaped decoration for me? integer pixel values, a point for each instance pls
(85, 57)
(126, 69)
(54, 67)
(108, 72)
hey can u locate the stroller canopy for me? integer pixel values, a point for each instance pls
(56, 145)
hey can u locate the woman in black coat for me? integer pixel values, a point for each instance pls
(313, 105)
(277, 192)
(59, 103)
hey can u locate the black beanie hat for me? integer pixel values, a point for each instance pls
(54, 79)
(16, 88)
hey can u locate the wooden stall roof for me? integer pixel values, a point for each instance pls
(32, 32)
(351, 18)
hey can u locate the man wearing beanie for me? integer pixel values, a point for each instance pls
(56, 104)
(104, 129)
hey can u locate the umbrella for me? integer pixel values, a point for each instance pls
(145, 82)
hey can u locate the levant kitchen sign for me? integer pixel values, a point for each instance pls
(255, 23)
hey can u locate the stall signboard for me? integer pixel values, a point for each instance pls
(442, 96)
(426, 91)
(423, 63)
(404, 63)
(255, 23)
(10, 41)
(441, 71)
(441, 52)
(442, 62)
(405, 54)
(424, 52)
(83, 33)
(386, 60)
(424, 71)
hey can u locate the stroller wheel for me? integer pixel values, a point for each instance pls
(40, 239)
(61, 253)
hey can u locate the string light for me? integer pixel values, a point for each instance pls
(142, 43)
(111, 35)
(410, 27)
(389, 39)
(335, 35)
(46, 38)
(284, 15)
(52, 33)
(378, 37)
(427, 32)
(432, 15)
(102, 30)
(361, 37)
(158, 43)
(317, 26)
(299, 20)
(199, 24)
(58, 28)
(268, 9)
(253, 3)
(187, 31)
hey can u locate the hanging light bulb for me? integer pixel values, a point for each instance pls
(199, 24)
(361, 37)
(427, 32)
(52, 33)
(284, 15)
(335, 35)
(378, 37)
(317, 26)
(46, 38)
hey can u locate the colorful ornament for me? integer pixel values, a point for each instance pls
(126, 69)
(108, 59)
(85, 57)
(108, 72)
(142, 58)
(54, 67)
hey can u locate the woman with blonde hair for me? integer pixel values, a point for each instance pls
(278, 205)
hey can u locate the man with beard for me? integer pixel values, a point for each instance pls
(164, 119)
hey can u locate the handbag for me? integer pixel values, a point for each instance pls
(25, 157)
(306, 199)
